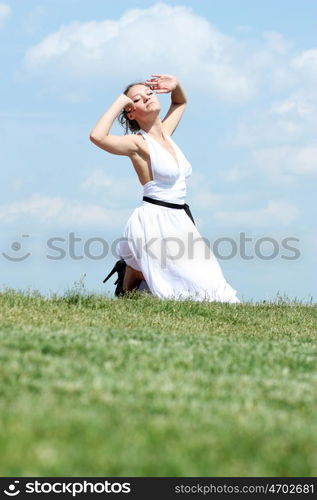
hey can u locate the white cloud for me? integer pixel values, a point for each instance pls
(297, 105)
(306, 62)
(169, 37)
(115, 190)
(235, 174)
(286, 163)
(203, 196)
(199, 193)
(277, 42)
(281, 140)
(208, 199)
(5, 12)
(285, 121)
(58, 210)
(97, 180)
(275, 213)
(268, 128)
(81, 57)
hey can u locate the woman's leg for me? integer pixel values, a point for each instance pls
(132, 279)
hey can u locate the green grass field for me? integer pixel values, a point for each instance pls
(93, 386)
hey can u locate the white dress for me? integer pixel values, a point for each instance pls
(164, 244)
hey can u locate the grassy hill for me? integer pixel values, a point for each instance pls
(93, 386)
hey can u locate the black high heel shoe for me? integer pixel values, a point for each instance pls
(119, 267)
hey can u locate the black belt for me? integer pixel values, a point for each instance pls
(170, 205)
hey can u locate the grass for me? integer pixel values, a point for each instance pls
(93, 386)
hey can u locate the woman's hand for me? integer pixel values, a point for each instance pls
(128, 103)
(162, 84)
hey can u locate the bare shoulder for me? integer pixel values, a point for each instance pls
(125, 145)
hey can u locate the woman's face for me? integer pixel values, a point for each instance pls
(145, 102)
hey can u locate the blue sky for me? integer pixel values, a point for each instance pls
(249, 70)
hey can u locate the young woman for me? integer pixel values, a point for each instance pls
(161, 244)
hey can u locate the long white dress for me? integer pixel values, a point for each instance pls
(164, 244)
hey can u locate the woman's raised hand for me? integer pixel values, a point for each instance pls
(162, 83)
(128, 103)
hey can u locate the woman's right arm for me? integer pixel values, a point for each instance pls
(116, 144)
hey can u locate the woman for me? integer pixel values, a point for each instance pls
(161, 244)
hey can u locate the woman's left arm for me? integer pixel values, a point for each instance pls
(164, 84)
(178, 95)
